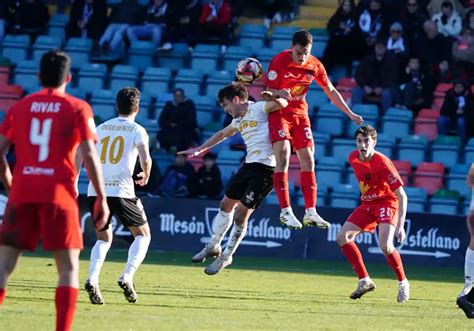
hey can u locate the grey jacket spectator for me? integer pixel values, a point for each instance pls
(448, 21)
(87, 19)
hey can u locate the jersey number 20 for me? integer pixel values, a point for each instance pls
(115, 152)
(40, 133)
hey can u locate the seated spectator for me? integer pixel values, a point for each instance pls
(183, 22)
(376, 77)
(457, 110)
(434, 6)
(412, 20)
(396, 43)
(31, 17)
(215, 22)
(154, 23)
(275, 11)
(463, 47)
(87, 19)
(179, 178)
(448, 21)
(411, 88)
(432, 47)
(209, 181)
(344, 37)
(371, 23)
(178, 124)
(121, 18)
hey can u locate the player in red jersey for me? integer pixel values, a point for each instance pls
(47, 128)
(383, 204)
(289, 75)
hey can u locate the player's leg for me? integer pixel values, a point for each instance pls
(386, 234)
(221, 224)
(465, 299)
(67, 262)
(360, 220)
(8, 259)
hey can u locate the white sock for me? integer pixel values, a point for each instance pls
(311, 210)
(365, 279)
(469, 267)
(236, 236)
(287, 210)
(98, 254)
(136, 255)
(222, 223)
(405, 281)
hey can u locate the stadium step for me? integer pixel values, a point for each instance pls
(309, 24)
(316, 12)
(323, 3)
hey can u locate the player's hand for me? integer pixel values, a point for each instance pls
(357, 119)
(190, 153)
(101, 213)
(143, 179)
(267, 96)
(400, 234)
(284, 93)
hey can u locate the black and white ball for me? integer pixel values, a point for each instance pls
(249, 70)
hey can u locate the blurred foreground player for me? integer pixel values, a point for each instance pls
(46, 128)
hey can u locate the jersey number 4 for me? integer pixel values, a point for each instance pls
(40, 134)
(115, 152)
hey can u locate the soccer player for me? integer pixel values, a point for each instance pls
(465, 300)
(289, 75)
(46, 128)
(383, 205)
(120, 141)
(252, 182)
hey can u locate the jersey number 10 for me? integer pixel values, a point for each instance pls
(115, 152)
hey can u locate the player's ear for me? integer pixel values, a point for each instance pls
(236, 99)
(68, 78)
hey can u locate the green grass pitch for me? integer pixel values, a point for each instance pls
(252, 294)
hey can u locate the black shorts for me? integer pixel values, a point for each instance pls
(251, 184)
(129, 211)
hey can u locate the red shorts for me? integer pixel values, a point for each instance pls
(293, 127)
(368, 217)
(57, 226)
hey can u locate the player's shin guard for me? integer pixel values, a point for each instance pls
(3, 294)
(309, 188)
(395, 262)
(236, 236)
(353, 255)
(136, 255)
(222, 223)
(280, 184)
(98, 254)
(66, 298)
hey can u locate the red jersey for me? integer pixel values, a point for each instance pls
(378, 179)
(283, 73)
(46, 128)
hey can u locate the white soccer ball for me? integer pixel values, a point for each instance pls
(249, 70)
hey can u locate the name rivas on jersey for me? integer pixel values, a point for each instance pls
(45, 107)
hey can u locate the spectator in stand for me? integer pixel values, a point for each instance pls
(31, 17)
(178, 124)
(179, 178)
(183, 22)
(275, 10)
(448, 21)
(457, 110)
(344, 37)
(209, 181)
(463, 47)
(434, 6)
(371, 22)
(376, 77)
(87, 19)
(432, 47)
(469, 20)
(396, 43)
(412, 20)
(215, 22)
(121, 18)
(154, 23)
(411, 87)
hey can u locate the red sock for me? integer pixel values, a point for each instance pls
(280, 184)
(3, 294)
(395, 262)
(352, 254)
(308, 187)
(66, 298)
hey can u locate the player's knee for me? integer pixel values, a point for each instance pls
(226, 205)
(342, 238)
(387, 248)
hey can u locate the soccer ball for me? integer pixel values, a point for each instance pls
(249, 70)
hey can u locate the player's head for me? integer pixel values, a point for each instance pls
(233, 97)
(55, 69)
(127, 101)
(301, 46)
(366, 139)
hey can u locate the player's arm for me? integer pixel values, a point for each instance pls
(277, 104)
(338, 100)
(5, 172)
(214, 140)
(94, 171)
(470, 176)
(145, 163)
(402, 213)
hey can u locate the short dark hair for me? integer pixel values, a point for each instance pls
(303, 38)
(127, 100)
(55, 66)
(234, 89)
(447, 4)
(366, 131)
